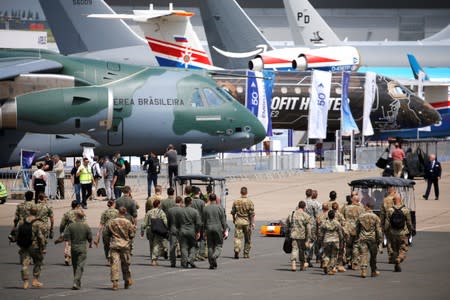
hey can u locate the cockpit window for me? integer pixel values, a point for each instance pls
(398, 91)
(196, 99)
(212, 98)
(226, 94)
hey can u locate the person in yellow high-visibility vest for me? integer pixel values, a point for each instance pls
(86, 180)
(3, 193)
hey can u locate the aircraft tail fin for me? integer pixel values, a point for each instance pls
(75, 33)
(416, 67)
(170, 35)
(307, 26)
(229, 28)
(443, 35)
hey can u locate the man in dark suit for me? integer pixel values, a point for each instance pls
(433, 175)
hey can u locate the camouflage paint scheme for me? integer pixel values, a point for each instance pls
(131, 107)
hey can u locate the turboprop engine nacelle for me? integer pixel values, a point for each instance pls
(61, 110)
(342, 58)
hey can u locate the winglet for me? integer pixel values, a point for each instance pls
(416, 68)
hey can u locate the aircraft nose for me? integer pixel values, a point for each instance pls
(425, 112)
(258, 130)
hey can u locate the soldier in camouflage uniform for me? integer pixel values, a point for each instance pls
(322, 217)
(299, 227)
(67, 219)
(312, 209)
(370, 235)
(188, 225)
(121, 232)
(155, 241)
(173, 214)
(157, 196)
(110, 213)
(243, 212)
(78, 233)
(45, 213)
(215, 224)
(35, 252)
(340, 218)
(23, 209)
(351, 214)
(399, 236)
(388, 202)
(330, 233)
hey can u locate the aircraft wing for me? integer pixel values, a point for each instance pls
(11, 68)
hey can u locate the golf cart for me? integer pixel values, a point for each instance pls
(374, 189)
(217, 183)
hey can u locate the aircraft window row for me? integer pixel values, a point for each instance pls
(207, 97)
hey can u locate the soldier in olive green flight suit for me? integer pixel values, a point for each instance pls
(199, 205)
(243, 212)
(173, 214)
(155, 241)
(78, 233)
(188, 225)
(215, 224)
(67, 219)
(370, 235)
(34, 252)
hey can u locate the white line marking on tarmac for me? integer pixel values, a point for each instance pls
(433, 227)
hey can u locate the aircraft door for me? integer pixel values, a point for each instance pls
(115, 134)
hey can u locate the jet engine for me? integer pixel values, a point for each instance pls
(341, 58)
(60, 110)
(256, 64)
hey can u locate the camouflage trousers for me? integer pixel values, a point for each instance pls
(120, 258)
(26, 255)
(156, 244)
(351, 250)
(330, 255)
(389, 246)
(67, 253)
(368, 247)
(242, 232)
(215, 243)
(78, 262)
(298, 251)
(399, 247)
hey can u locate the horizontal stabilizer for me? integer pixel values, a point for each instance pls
(13, 68)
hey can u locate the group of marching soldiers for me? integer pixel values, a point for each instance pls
(348, 235)
(176, 220)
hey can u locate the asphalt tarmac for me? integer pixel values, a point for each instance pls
(266, 275)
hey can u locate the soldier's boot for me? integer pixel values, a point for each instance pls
(375, 273)
(355, 266)
(397, 267)
(246, 255)
(363, 273)
(128, 283)
(115, 285)
(331, 272)
(341, 269)
(26, 284)
(236, 255)
(154, 263)
(36, 283)
(59, 240)
(293, 266)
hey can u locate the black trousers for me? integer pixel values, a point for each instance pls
(86, 192)
(432, 181)
(173, 171)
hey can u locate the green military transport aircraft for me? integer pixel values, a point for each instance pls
(114, 107)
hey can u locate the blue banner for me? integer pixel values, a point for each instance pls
(348, 124)
(259, 97)
(27, 159)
